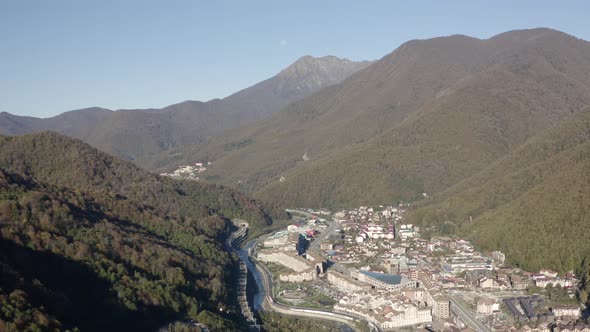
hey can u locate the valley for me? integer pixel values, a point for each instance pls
(444, 186)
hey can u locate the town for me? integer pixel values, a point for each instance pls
(188, 172)
(368, 263)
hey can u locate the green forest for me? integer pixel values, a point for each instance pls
(93, 243)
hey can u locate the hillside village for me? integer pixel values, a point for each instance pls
(188, 172)
(368, 263)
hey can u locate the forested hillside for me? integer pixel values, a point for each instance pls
(92, 242)
(421, 119)
(534, 204)
(493, 129)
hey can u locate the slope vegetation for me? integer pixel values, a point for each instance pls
(533, 204)
(93, 242)
(422, 119)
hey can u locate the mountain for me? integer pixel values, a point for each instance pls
(140, 135)
(421, 119)
(542, 188)
(92, 242)
(73, 122)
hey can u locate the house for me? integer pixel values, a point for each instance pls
(566, 311)
(519, 283)
(544, 282)
(326, 246)
(499, 257)
(487, 306)
(548, 273)
(487, 283)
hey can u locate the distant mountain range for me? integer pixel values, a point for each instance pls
(487, 136)
(140, 134)
(493, 129)
(421, 119)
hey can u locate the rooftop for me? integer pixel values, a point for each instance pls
(386, 278)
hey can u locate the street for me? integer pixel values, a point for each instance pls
(467, 315)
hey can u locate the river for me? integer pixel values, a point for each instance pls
(261, 293)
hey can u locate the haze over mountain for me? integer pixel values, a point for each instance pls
(139, 134)
(421, 119)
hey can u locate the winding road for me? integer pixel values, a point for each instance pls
(265, 300)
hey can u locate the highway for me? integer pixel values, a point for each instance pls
(305, 213)
(270, 303)
(467, 315)
(315, 244)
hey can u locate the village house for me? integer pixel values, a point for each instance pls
(487, 306)
(566, 311)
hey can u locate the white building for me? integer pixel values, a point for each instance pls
(572, 311)
(487, 306)
(383, 281)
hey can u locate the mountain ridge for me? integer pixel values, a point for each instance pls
(137, 134)
(421, 118)
(80, 228)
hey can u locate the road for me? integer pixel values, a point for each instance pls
(305, 213)
(272, 304)
(315, 245)
(467, 315)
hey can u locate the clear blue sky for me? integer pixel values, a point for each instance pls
(58, 55)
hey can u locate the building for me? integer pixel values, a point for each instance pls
(499, 257)
(294, 262)
(548, 273)
(458, 267)
(284, 240)
(404, 315)
(399, 265)
(386, 313)
(487, 306)
(397, 251)
(326, 246)
(543, 282)
(383, 281)
(441, 307)
(566, 311)
(374, 231)
(572, 328)
(406, 231)
(307, 275)
(345, 283)
(303, 269)
(519, 283)
(487, 283)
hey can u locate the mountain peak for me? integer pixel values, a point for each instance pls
(311, 73)
(308, 63)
